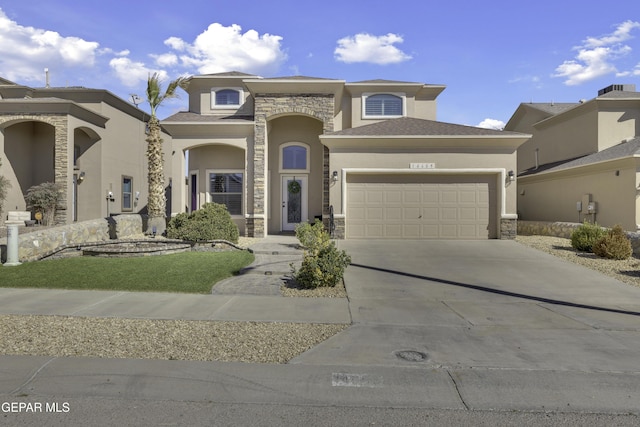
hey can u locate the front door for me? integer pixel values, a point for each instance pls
(294, 201)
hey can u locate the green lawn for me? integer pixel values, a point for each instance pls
(192, 272)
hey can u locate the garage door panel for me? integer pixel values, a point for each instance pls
(401, 207)
(410, 196)
(375, 213)
(448, 196)
(411, 213)
(449, 214)
(469, 214)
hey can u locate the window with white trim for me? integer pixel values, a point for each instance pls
(294, 157)
(127, 193)
(226, 98)
(383, 105)
(226, 188)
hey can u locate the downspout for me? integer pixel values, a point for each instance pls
(536, 159)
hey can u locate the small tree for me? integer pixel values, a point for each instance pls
(4, 189)
(44, 198)
(323, 263)
(156, 204)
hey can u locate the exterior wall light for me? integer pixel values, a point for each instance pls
(334, 176)
(512, 176)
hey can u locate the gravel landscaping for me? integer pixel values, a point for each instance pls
(627, 271)
(253, 342)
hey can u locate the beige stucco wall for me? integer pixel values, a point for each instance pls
(557, 140)
(27, 159)
(200, 95)
(553, 196)
(195, 139)
(219, 157)
(287, 129)
(617, 122)
(119, 151)
(416, 107)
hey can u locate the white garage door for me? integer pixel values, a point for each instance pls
(394, 207)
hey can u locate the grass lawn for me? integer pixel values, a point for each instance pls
(192, 272)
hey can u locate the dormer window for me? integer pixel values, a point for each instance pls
(226, 98)
(383, 105)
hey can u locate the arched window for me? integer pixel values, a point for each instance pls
(295, 157)
(383, 105)
(226, 97)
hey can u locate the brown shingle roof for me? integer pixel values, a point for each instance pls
(625, 149)
(416, 127)
(553, 108)
(185, 116)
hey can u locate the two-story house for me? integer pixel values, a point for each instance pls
(88, 140)
(368, 155)
(583, 159)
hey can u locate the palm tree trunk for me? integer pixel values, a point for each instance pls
(156, 204)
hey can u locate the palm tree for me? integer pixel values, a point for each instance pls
(156, 205)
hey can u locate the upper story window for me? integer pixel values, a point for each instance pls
(226, 98)
(383, 105)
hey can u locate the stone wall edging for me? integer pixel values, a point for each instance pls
(39, 244)
(564, 229)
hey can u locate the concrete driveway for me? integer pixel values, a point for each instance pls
(482, 304)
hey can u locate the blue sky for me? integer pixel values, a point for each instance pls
(491, 55)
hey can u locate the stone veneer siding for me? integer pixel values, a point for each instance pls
(268, 106)
(508, 229)
(61, 176)
(36, 245)
(564, 229)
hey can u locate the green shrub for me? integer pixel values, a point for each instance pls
(312, 237)
(323, 264)
(45, 198)
(583, 237)
(613, 245)
(211, 222)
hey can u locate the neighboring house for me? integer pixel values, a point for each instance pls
(370, 155)
(89, 140)
(583, 159)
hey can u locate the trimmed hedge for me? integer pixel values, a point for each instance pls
(211, 222)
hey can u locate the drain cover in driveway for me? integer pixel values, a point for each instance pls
(411, 355)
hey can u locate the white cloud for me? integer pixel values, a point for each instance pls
(365, 47)
(166, 59)
(491, 124)
(26, 51)
(133, 74)
(221, 48)
(596, 56)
